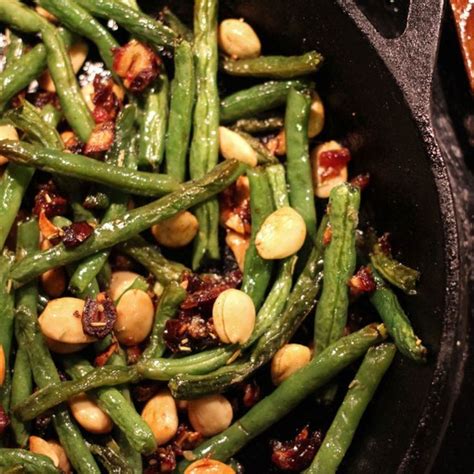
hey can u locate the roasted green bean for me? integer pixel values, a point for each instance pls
(183, 89)
(361, 391)
(137, 23)
(151, 144)
(204, 145)
(339, 265)
(250, 102)
(31, 463)
(274, 67)
(176, 24)
(257, 271)
(398, 325)
(88, 169)
(297, 156)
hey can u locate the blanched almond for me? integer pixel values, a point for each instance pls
(177, 231)
(161, 415)
(210, 415)
(232, 146)
(238, 39)
(282, 234)
(88, 414)
(233, 314)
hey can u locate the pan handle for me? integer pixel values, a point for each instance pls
(411, 57)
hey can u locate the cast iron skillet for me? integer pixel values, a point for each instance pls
(377, 94)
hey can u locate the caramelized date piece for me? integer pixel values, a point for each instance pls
(49, 201)
(362, 282)
(137, 65)
(297, 454)
(99, 316)
(76, 233)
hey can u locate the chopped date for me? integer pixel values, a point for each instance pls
(188, 333)
(49, 201)
(362, 282)
(133, 354)
(43, 425)
(143, 391)
(204, 289)
(72, 143)
(43, 98)
(137, 64)
(234, 204)
(99, 316)
(361, 181)
(185, 439)
(251, 393)
(385, 244)
(4, 420)
(101, 138)
(102, 358)
(106, 103)
(162, 460)
(76, 233)
(297, 454)
(331, 163)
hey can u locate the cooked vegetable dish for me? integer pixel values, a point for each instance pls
(182, 249)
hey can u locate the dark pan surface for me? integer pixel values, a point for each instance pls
(367, 110)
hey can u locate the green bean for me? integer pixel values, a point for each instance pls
(196, 364)
(361, 391)
(151, 144)
(339, 265)
(14, 49)
(22, 387)
(176, 24)
(51, 115)
(137, 23)
(394, 272)
(6, 327)
(289, 394)
(44, 374)
(297, 155)
(79, 20)
(394, 317)
(27, 296)
(151, 258)
(204, 145)
(173, 295)
(52, 395)
(117, 407)
(31, 463)
(19, 16)
(277, 181)
(112, 460)
(254, 125)
(60, 67)
(274, 67)
(28, 119)
(133, 457)
(18, 76)
(250, 102)
(299, 303)
(183, 88)
(88, 169)
(257, 271)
